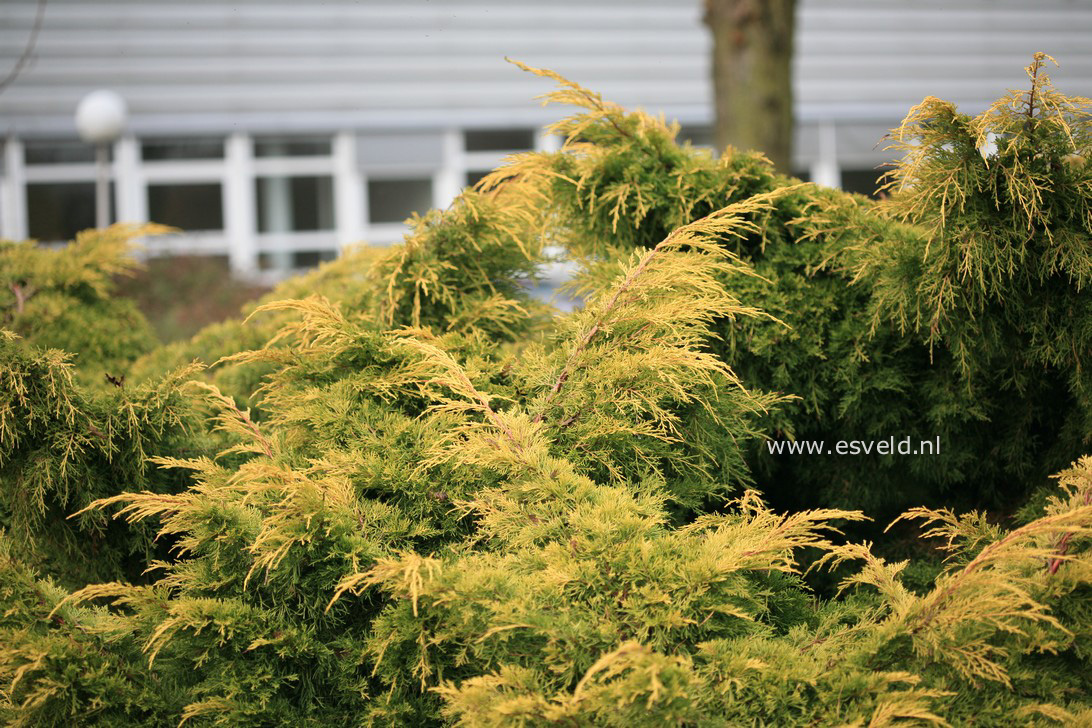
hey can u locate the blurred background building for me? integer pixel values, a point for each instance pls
(275, 132)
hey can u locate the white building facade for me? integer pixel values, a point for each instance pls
(276, 132)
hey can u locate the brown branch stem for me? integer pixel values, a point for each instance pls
(22, 295)
(1063, 543)
(253, 427)
(585, 340)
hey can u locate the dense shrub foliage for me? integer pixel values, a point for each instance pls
(63, 299)
(401, 492)
(968, 325)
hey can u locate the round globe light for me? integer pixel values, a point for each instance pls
(101, 116)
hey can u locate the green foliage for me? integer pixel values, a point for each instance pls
(843, 281)
(999, 288)
(63, 299)
(62, 447)
(72, 657)
(403, 494)
(1022, 165)
(462, 268)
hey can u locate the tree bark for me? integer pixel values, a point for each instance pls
(752, 75)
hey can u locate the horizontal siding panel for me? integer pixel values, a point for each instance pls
(818, 18)
(944, 44)
(318, 17)
(258, 74)
(425, 18)
(275, 95)
(200, 62)
(363, 41)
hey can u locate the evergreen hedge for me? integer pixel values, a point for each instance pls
(402, 492)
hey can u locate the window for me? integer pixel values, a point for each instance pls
(159, 150)
(379, 152)
(698, 136)
(187, 206)
(61, 151)
(311, 258)
(473, 177)
(292, 147)
(295, 204)
(499, 140)
(862, 181)
(393, 200)
(56, 211)
(297, 259)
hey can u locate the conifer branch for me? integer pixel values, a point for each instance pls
(994, 590)
(583, 97)
(1079, 480)
(471, 523)
(23, 293)
(447, 372)
(700, 237)
(234, 420)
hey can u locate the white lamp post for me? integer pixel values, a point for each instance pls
(100, 120)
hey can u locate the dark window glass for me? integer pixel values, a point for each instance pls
(56, 211)
(862, 181)
(157, 150)
(62, 151)
(292, 147)
(311, 258)
(287, 204)
(297, 259)
(499, 140)
(393, 200)
(187, 206)
(803, 175)
(473, 178)
(698, 136)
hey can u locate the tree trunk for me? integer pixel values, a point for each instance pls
(752, 75)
